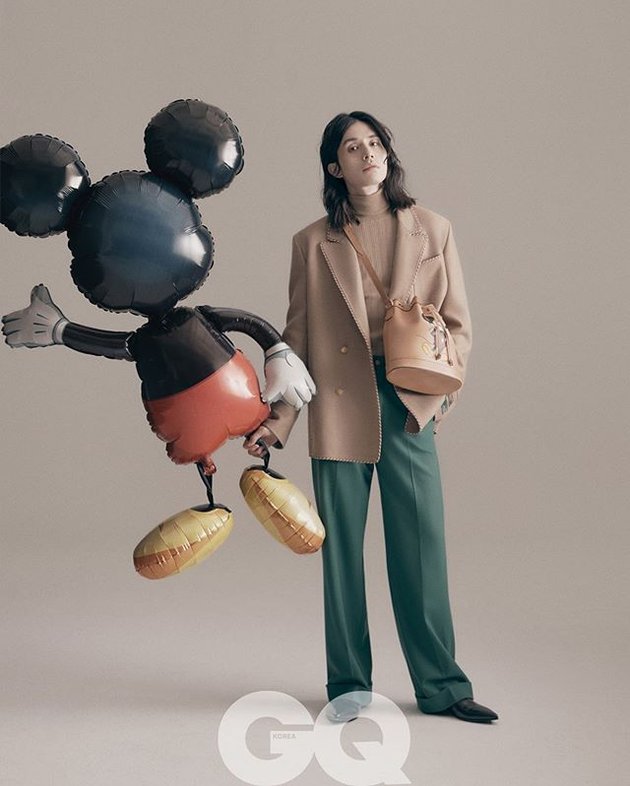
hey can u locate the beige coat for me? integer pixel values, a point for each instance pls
(327, 326)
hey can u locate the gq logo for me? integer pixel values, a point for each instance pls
(381, 762)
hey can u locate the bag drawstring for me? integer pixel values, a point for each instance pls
(439, 327)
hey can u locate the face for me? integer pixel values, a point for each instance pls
(362, 159)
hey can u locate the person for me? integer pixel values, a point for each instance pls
(358, 421)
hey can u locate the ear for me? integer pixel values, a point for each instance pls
(32, 167)
(334, 169)
(194, 145)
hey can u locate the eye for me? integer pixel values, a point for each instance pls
(376, 142)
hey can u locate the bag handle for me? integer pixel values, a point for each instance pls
(363, 257)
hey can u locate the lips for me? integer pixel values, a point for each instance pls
(372, 166)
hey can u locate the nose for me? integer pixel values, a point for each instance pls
(367, 155)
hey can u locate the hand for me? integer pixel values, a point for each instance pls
(40, 324)
(262, 432)
(287, 377)
(449, 402)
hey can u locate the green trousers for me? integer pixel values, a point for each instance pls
(413, 519)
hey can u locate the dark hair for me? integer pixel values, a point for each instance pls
(335, 192)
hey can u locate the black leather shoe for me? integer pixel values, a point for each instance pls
(469, 710)
(342, 710)
(347, 706)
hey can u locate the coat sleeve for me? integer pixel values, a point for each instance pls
(456, 315)
(454, 310)
(283, 416)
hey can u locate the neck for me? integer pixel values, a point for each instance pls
(369, 204)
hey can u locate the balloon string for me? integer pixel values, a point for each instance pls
(207, 481)
(266, 453)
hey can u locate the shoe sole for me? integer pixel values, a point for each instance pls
(342, 720)
(473, 720)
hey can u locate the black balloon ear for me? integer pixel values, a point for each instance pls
(43, 179)
(194, 145)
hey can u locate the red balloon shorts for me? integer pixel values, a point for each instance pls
(198, 420)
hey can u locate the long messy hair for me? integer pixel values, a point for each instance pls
(335, 192)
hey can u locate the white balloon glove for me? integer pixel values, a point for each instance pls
(41, 324)
(287, 377)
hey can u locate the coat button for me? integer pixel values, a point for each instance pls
(338, 391)
(343, 349)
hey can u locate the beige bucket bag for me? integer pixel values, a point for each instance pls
(419, 349)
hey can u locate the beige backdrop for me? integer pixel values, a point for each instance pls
(510, 119)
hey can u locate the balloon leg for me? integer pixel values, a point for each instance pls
(207, 479)
(186, 538)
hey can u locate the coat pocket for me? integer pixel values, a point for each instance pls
(431, 260)
(430, 284)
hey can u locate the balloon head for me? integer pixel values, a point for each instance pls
(138, 244)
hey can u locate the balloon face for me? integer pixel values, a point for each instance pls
(195, 145)
(138, 244)
(42, 180)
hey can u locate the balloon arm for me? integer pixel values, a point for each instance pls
(285, 374)
(233, 319)
(93, 341)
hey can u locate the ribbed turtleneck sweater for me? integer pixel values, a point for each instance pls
(377, 235)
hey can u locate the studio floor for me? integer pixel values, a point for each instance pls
(126, 681)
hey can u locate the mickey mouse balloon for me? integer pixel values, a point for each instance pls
(138, 245)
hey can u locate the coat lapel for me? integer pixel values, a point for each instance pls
(344, 266)
(410, 249)
(411, 246)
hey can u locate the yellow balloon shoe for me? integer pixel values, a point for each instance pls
(282, 509)
(183, 540)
